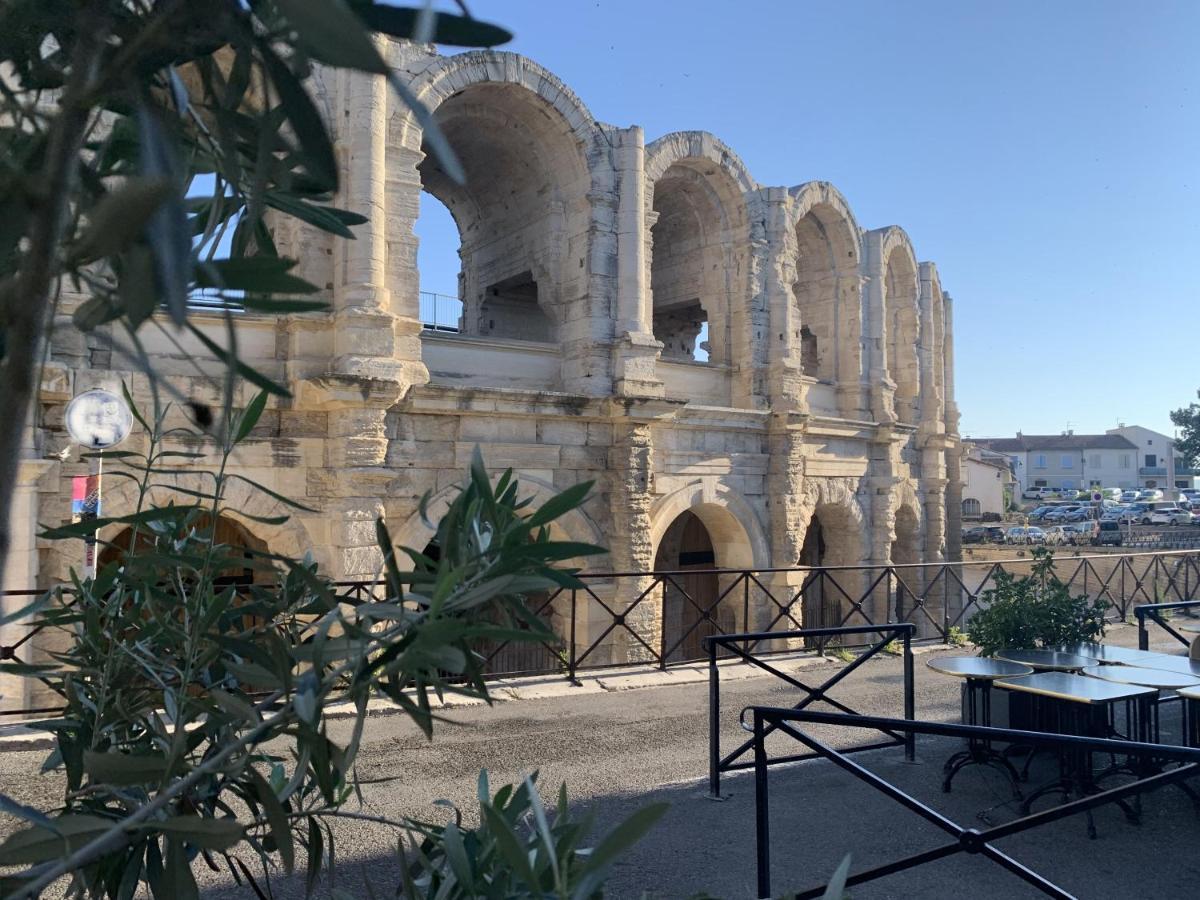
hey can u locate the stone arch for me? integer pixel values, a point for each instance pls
(835, 534)
(699, 255)
(529, 228)
(825, 288)
(290, 538)
(902, 320)
(575, 525)
(835, 503)
(739, 541)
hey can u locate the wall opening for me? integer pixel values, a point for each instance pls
(233, 535)
(821, 267)
(971, 508)
(521, 217)
(439, 267)
(832, 539)
(696, 272)
(690, 608)
(903, 335)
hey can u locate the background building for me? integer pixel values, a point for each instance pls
(989, 485)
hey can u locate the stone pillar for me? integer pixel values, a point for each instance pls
(789, 517)
(631, 473)
(948, 367)
(875, 363)
(786, 386)
(927, 355)
(636, 351)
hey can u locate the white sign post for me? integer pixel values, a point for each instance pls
(97, 420)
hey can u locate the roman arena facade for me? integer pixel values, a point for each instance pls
(815, 424)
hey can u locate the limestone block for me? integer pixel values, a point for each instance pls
(296, 423)
(552, 431)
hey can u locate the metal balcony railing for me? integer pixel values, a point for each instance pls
(440, 312)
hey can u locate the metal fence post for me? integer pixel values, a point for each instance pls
(910, 700)
(571, 659)
(714, 724)
(1143, 634)
(762, 818)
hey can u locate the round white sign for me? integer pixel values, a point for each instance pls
(98, 419)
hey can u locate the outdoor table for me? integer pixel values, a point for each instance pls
(979, 672)
(1106, 653)
(1190, 698)
(1079, 705)
(1159, 679)
(1174, 664)
(1047, 660)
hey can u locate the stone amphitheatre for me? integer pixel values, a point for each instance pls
(820, 428)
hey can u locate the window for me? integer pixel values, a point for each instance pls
(1094, 460)
(1151, 460)
(1067, 461)
(1039, 461)
(1124, 461)
(1041, 482)
(971, 508)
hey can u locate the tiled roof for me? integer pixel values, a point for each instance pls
(1026, 442)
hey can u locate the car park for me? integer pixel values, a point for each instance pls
(1129, 496)
(1021, 535)
(1032, 493)
(975, 535)
(1150, 494)
(995, 534)
(1081, 532)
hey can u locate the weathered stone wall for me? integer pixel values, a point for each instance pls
(828, 397)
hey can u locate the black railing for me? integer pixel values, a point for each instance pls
(1154, 612)
(963, 839)
(662, 618)
(745, 647)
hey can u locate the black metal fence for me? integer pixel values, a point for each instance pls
(1160, 614)
(662, 618)
(749, 647)
(766, 720)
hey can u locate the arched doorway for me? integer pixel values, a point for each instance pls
(691, 607)
(515, 657)
(908, 579)
(239, 541)
(828, 593)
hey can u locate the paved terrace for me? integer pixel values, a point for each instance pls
(626, 740)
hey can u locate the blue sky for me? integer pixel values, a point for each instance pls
(1045, 155)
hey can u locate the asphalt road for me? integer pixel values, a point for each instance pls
(620, 750)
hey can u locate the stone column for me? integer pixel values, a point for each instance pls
(635, 352)
(789, 517)
(931, 398)
(631, 473)
(948, 367)
(875, 364)
(786, 386)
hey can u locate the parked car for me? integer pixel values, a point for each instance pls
(1108, 534)
(1082, 532)
(1129, 496)
(1167, 516)
(995, 534)
(1150, 494)
(975, 535)
(1032, 493)
(1029, 535)
(1057, 535)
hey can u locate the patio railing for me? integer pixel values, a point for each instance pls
(1159, 613)
(662, 618)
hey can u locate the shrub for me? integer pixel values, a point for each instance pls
(1035, 610)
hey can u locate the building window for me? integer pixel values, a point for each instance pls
(1151, 460)
(1124, 461)
(972, 508)
(1067, 461)
(1041, 482)
(1039, 461)
(1094, 460)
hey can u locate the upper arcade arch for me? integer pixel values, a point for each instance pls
(699, 247)
(901, 309)
(825, 288)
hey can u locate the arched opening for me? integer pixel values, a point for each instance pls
(515, 657)
(521, 217)
(831, 539)
(439, 266)
(691, 609)
(971, 508)
(826, 263)
(906, 552)
(900, 285)
(235, 537)
(696, 274)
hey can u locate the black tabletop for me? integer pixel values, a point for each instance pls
(1109, 654)
(1047, 660)
(1155, 678)
(1180, 664)
(1074, 688)
(977, 667)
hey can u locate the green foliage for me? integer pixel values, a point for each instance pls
(840, 653)
(956, 637)
(1034, 610)
(175, 680)
(518, 850)
(1187, 441)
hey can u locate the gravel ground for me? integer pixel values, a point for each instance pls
(620, 750)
